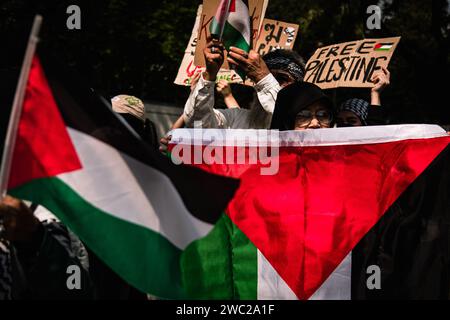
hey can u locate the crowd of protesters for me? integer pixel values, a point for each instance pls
(302, 105)
(36, 249)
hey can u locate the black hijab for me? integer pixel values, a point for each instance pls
(293, 99)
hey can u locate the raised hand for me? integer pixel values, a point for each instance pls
(252, 63)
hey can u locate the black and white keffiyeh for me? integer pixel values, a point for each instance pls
(5, 271)
(359, 107)
(282, 63)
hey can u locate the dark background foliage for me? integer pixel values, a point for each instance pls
(136, 47)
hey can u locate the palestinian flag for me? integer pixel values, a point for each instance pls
(129, 204)
(349, 213)
(383, 46)
(232, 24)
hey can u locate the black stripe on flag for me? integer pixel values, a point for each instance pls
(205, 195)
(411, 242)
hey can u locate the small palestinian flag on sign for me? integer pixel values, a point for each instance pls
(383, 46)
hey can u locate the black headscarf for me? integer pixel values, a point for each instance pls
(293, 99)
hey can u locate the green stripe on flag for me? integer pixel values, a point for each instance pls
(222, 265)
(232, 37)
(142, 257)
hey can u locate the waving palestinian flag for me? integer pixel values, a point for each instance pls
(349, 213)
(232, 24)
(128, 203)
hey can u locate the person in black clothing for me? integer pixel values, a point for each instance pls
(302, 106)
(36, 252)
(358, 112)
(353, 113)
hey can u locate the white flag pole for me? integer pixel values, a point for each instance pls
(222, 23)
(16, 111)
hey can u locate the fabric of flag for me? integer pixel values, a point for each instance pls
(342, 200)
(129, 204)
(232, 21)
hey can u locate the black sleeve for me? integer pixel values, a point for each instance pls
(50, 266)
(377, 116)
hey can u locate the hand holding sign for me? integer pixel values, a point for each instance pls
(252, 63)
(381, 79)
(350, 64)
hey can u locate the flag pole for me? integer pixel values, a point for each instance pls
(222, 26)
(224, 7)
(16, 111)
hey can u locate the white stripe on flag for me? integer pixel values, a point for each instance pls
(270, 285)
(132, 191)
(305, 138)
(338, 285)
(239, 20)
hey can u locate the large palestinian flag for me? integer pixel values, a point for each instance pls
(129, 204)
(360, 213)
(232, 22)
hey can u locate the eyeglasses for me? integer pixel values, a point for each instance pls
(306, 116)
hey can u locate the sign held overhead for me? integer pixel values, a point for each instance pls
(350, 64)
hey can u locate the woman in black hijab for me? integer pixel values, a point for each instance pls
(302, 106)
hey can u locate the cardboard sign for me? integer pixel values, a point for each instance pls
(188, 69)
(256, 10)
(350, 64)
(276, 35)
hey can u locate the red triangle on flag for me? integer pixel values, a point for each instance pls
(232, 6)
(42, 135)
(323, 200)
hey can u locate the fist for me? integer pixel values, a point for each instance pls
(381, 80)
(214, 57)
(223, 87)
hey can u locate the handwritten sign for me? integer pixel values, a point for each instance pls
(276, 35)
(350, 64)
(188, 70)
